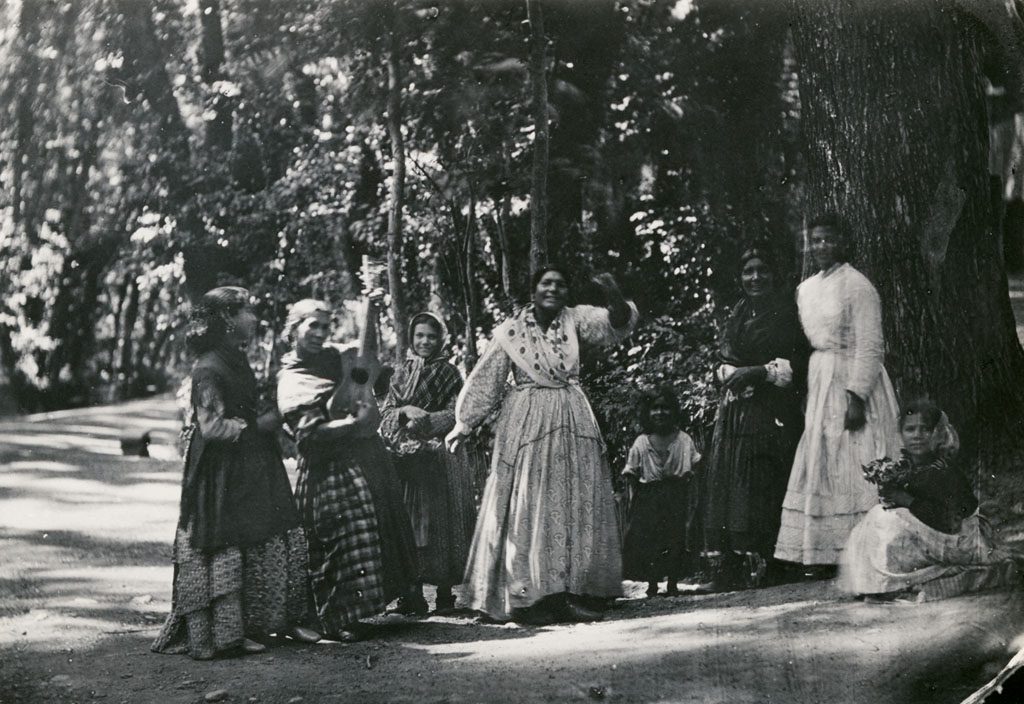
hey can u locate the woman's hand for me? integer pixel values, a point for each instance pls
(746, 376)
(606, 282)
(855, 415)
(269, 422)
(896, 498)
(456, 437)
(618, 309)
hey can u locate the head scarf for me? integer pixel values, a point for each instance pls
(409, 375)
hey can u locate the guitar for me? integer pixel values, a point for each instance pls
(356, 389)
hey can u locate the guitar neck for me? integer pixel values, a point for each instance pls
(368, 333)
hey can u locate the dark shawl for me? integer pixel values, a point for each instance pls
(942, 496)
(234, 494)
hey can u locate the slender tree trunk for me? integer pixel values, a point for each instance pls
(397, 192)
(894, 116)
(539, 178)
(211, 54)
(125, 368)
(472, 295)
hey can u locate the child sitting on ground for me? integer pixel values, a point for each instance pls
(659, 471)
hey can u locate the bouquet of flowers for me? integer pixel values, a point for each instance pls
(887, 473)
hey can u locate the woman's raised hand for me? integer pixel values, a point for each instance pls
(605, 281)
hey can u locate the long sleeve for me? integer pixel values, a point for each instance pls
(303, 425)
(440, 422)
(867, 338)
(210, 414)
(594, 327)
(485, 388)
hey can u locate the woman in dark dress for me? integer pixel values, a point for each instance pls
(762, 355)
(417, 414)
(361, 549)
(239, 553)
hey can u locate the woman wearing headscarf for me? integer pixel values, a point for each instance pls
(416, 415)
(850, 416)
(361, 549)
(239, 550)
(926, 538)
(547, 534)
(762, 361)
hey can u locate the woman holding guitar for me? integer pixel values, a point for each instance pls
(361, 548)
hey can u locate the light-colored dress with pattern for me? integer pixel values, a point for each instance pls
(547, 521)
(827, 494)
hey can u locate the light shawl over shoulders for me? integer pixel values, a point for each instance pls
(549, 359)
(547, 522)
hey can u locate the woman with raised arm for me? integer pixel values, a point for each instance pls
(547, 536)
(850, 416)
(239, 551)
(361, 549)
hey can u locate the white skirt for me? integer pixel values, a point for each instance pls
(827, 493)
(890, 550)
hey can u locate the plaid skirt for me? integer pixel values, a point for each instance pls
(223, 597)
(361, 550)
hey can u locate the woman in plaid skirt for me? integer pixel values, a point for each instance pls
(361, 549)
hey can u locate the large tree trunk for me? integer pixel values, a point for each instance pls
(397, 193)
(211, 54)
(539, 177)
(894, 116)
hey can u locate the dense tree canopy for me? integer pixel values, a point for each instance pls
(149, 151)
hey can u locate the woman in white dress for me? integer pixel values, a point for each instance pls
(850, 418)
(547, 535)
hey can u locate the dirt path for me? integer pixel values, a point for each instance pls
(85, 581)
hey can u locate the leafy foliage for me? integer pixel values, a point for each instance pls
(119, 202)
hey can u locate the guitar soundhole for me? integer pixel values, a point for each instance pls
(360, 376)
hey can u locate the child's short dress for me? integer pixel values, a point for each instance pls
(660, 512)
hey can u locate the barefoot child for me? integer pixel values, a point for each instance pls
(659, 469)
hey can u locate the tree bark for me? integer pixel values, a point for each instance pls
(894, 117)
(472, 296)
(397, 190)
(539, 178)
(218, 129)
(125, 368)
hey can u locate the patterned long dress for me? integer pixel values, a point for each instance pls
(239, 553)
(827, 494)
(361, 549)
(438, 485)
(939, 547)
(547, 521)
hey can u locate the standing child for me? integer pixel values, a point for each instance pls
(659, 469)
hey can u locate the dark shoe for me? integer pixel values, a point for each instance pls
(413, 605)
(251, 647)
(673, 589)
(534, 616)
(576, 612)
(304, 635)
(444, 602)
(652, 589)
